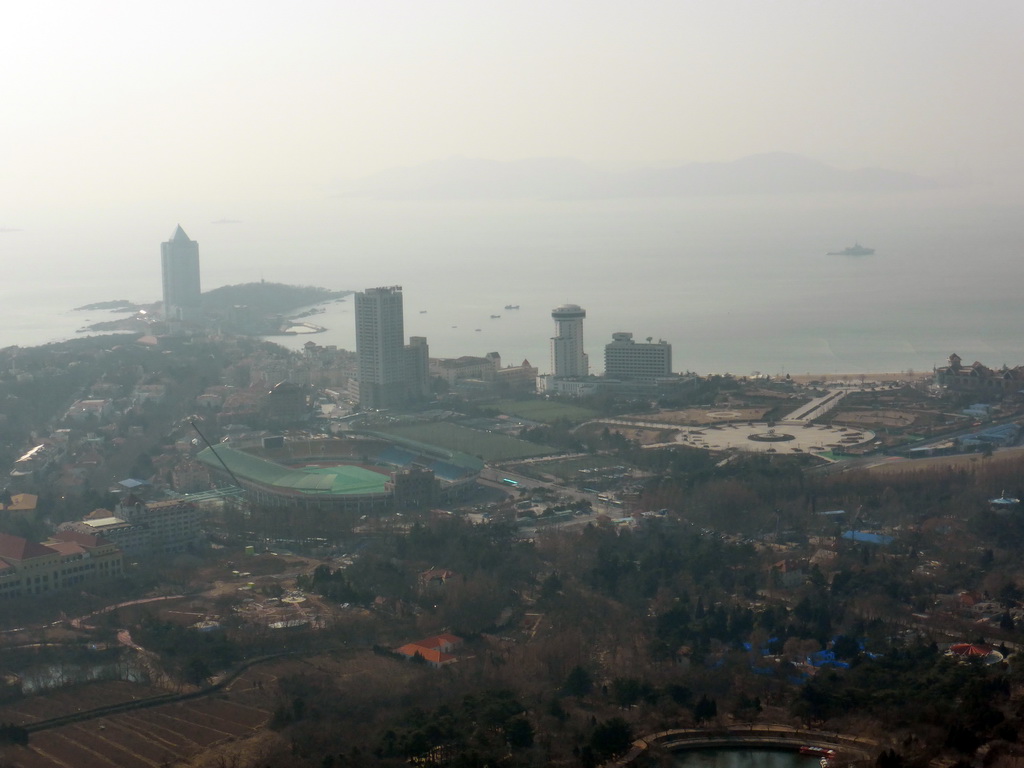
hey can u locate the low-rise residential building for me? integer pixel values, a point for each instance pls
(82, 411)
(145, 393)
(454, 369)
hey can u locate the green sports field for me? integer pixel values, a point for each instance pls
(545, 411)
(489, 446)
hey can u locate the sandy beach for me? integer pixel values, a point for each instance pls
(857, 378)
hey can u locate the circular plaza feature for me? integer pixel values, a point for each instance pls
(785, 437)
(771, 436)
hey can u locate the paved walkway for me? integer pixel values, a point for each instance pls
(812, 410)
(803, 436)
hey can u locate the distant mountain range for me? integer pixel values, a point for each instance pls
(772, 173)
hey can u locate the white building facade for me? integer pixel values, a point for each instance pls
(626, 359)
(568, 359)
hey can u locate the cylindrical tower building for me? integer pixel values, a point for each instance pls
(567, 355)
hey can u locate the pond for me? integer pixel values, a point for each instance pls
(742, 758)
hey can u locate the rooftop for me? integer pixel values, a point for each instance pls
(327, 478)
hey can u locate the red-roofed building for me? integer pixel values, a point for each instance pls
(18, 549)
(432, 656)
(31, 568)
(445, 642)
(433, 650)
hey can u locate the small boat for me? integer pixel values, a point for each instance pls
(478, 329)
(511, 306)
(423, 311)
(495, 317)
(854, 250)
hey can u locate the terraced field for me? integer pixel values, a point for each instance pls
(142, 738)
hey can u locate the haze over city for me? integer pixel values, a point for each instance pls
(564, 383)
(230, 103)
(264, 130)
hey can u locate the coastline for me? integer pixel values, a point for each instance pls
(857, 378)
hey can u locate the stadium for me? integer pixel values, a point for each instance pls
(360, 475)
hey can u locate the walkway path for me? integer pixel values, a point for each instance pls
(817, 407)
(805, 437)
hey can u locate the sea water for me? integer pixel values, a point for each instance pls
(735, 284)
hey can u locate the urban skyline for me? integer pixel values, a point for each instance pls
(393, 373)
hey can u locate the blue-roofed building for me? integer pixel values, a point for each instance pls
(868, 538)
(450, 472)
(396, 457)
(1002, 435)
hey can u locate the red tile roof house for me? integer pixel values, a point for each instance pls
(445, 642)
(433, 650)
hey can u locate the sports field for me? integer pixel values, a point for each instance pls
(488, 446)
(316, 478)
(545, 411)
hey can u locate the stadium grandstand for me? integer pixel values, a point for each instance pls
(358, 475)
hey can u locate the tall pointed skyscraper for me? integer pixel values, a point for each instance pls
(179, 260)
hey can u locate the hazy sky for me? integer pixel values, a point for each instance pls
(108, 103)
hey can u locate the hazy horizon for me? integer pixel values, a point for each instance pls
(736, 283)
(231, 103)
(241, 122)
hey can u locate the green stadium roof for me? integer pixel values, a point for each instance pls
(337, 480)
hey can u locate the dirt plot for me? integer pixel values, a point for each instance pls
(873, 419)
(178, 733)
(644, 436)
(641, 436)
(146, 737)
(81, 697)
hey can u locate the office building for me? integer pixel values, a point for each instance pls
(417, 368)
(567, 356)
(391, 373)
(179, 261)
(626, 359)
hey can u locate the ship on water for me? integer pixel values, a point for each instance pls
(854, 250)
